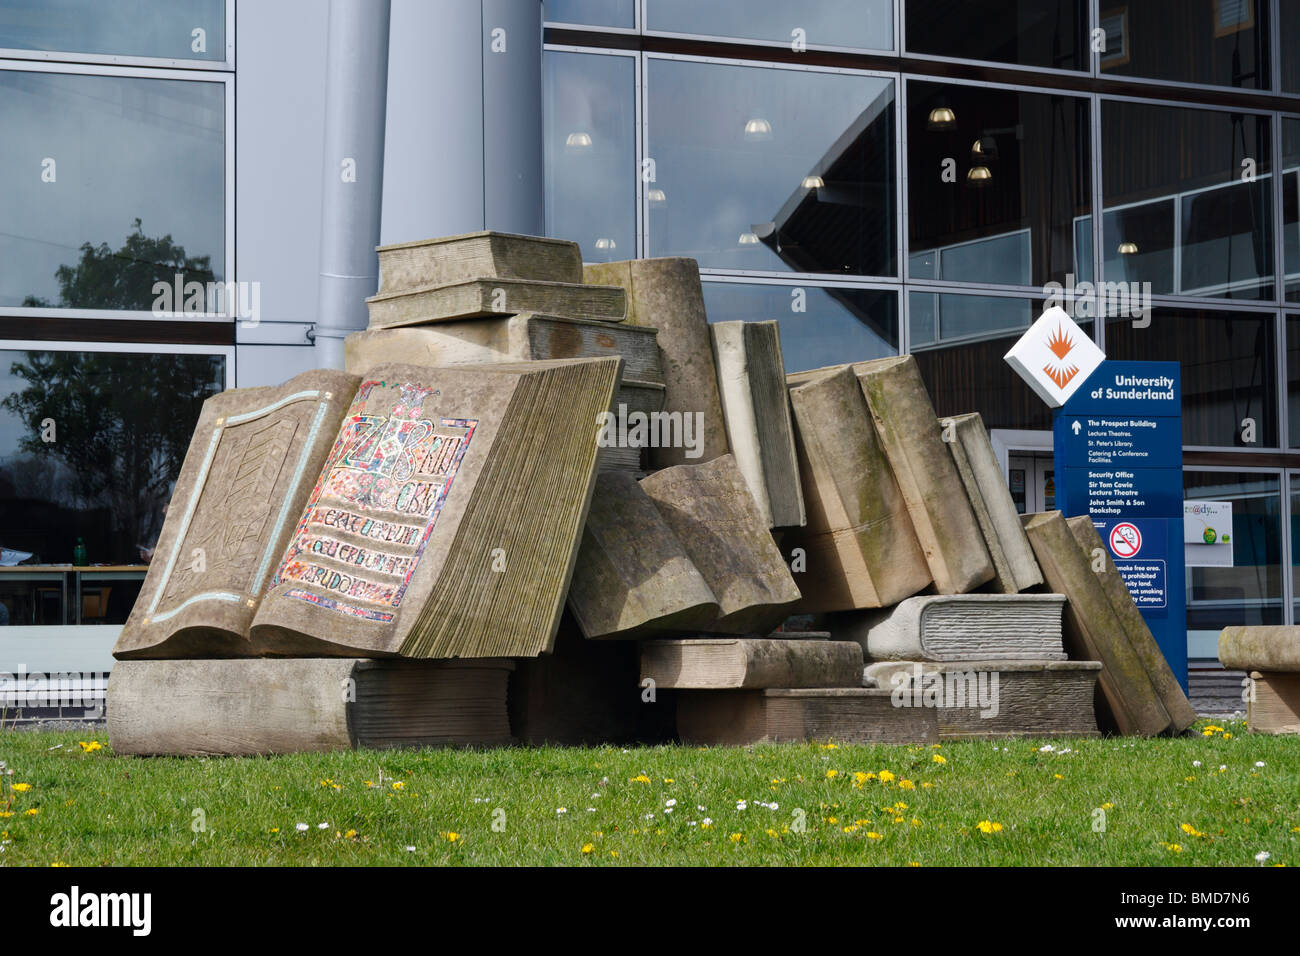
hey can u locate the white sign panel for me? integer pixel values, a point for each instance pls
(1207, 533)
(1055, 356)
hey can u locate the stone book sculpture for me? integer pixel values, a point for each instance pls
(443, 522)
(756, 412)
(477, 255)
(255, 455)
(861, 548)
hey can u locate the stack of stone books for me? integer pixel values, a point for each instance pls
(551, 503)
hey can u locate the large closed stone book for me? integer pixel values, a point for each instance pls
(859, 546)
(477, 255)
(756, 412)
(245, 707)
(468, 298)
(442, 523)
(254, 458)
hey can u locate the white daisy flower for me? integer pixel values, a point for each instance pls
(1262, 855)
(303, 828)
(322, 826)
(1259, 763)
(1196, 763)
(670, 803)
(410, 849)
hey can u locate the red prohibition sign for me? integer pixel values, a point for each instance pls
(1125, 540)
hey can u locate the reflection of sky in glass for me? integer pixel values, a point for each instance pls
(839, 325)
(124, 148)
(861, 24)
(732, 146)
(596, 13)
(161, 28)
(590, 135)
(935, 317)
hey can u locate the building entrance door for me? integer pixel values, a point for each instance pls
(1032, 481)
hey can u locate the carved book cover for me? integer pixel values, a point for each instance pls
(446, 519)
(255, 455)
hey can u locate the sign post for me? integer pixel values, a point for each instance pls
(1118, 450)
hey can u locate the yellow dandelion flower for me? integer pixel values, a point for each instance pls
(916, 822)
(639, 778)
(772, 833)
(829, 747)
(886, 777)
(851, 828)
(1057, 776)
(900, 805)
(273, 830)
(859, 778)
(831, 774)
(1190, 779)
(22, 787)
(32, 812)
(913, 863)
(832, 819)
(873, 835)
(1227, 736)
(399, 785)
(351, 834)
(669, 780)
(613, 853)
(6, 813)
(89, 747)
(737, 837)
(988, 826)
(452, 836)
(58, 863)
(906, 785)
(938, 758)
(1108, 806)
(1172, 847)
(926, 785)
(587, 848)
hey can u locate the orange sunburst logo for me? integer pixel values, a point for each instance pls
(1060, 344)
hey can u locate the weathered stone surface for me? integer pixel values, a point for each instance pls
(241, 707)
(1093, 631)
(710, 510)
(1014, 566)
(633, 575)
(851, 715)
(1181, 713)
(909, 433)
(488, 297)
(249, 470)
(958, 627)
(861, 549)
(756, 411)
(477, 255)
(1261, 648)
(1275, 708)
(747, 663)
(665, 294)
(446, 520)
(996, 698)
(513, 338)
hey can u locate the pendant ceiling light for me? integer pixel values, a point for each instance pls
(758, 129)
(748, 239)
(979, 177)
(941, 118)
(813, 182)
(656, 196)
(578, 141)
(1128, 248)
(605, 245)
(984, 150)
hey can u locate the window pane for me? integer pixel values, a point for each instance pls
(1042, 33)
(595, 13)
(958, 342)
(772, 170)
(159, 28)
(1293, 384)
(860, 24)
(1219, 42)
(1291, 205)
(819, 326)
(111, 183)
(123, 422)
(1249, 592)
(1289, 30)
(1175, 193)
(1228, 361)
(591, 153)
(1016, 225)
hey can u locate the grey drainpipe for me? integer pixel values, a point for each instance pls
(356, 93)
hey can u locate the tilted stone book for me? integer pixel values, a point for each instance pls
(443, 522)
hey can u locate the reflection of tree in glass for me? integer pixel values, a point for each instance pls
(124, 279)
(123, 422)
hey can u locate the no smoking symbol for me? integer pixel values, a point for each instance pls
(1125, 540)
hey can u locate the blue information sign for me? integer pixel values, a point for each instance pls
(1119, 459)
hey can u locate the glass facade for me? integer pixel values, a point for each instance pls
(117, 162)
(1134, 162)
(170, 29)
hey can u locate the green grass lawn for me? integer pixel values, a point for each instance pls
(1115, 801)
